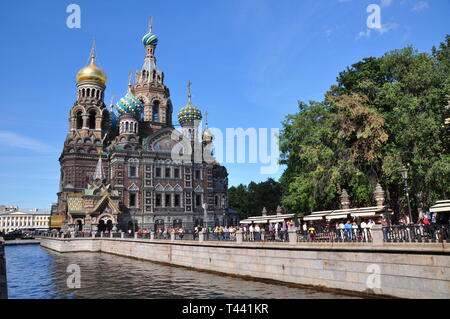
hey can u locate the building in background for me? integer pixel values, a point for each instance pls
(24, 219)
(117, 166)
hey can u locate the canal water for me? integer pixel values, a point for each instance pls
(36, 272)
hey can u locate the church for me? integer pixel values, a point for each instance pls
(127, 166)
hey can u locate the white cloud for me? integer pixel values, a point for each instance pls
(364, 34)
(386, 3)
(386, 28)
(419, 6)
(15, 140)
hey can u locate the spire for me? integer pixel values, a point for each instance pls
(129, 80)
(189, 92)
(206, 119)
(150, 27)
(98, 175)
(93, 52)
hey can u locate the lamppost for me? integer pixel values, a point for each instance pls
(404, 172)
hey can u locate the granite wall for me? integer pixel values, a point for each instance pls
(400, 270)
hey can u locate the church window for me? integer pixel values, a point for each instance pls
(197, 174)
(155, 110)
(158, 200)
(168, 200)
(198, 200)
(158, 172)
(88, 92)
(92, 115)
(132, 200)
(176, 173)
(216, 200)
(133, 171)
(126, 127)
(167, 172)
(79, 119)
(177, 200)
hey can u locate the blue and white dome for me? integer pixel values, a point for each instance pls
(150, 39)
(129, 104)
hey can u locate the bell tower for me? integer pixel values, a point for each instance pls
(150, 88)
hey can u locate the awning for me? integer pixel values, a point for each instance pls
(308, 218)
(441, 206)
(276, 220)
(367, 214)
(342, 216)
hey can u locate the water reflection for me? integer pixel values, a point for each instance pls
(35, 272)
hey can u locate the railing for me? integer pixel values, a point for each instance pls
(219, 236)
(393, 234)
(417, 234)
(335, 235)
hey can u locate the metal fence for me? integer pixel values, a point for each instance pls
(417, 234)
(335, 235)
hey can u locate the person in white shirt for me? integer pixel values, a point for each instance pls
(251, 230)
(364, 228)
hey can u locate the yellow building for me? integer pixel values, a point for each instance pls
(11, 220)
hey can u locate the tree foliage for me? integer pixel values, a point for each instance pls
(250, 200)
(383, 113)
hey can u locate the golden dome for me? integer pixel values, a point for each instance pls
(91, 73)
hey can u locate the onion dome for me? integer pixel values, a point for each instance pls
(129, 104)
(91, 73)
(207, 136)
(189, 113)
(150, 39)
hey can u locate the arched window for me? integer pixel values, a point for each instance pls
(126, 127)
(155, 110)
(83, 92)
(79, 119)
(92, 115)
(88, 92)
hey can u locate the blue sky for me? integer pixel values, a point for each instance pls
(250, 61)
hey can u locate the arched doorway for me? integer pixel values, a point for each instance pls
(101, 226)
(109, 225)
(79, 225)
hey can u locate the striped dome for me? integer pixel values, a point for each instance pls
(189, 114)
(129, 104)
(150, 39)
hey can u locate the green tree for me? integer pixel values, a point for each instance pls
(383, 113)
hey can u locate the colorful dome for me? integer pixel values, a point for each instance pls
(150, 39)
(91, 73)
(129, 104)
(189, 114)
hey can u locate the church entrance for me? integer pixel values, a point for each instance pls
(79, 225)
(101, 226)
(109, 225)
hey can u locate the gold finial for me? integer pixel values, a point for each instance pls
(93, 51)
(150, 27)
(189, 91)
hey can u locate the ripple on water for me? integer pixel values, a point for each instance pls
(34, 272)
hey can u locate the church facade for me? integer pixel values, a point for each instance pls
(127, 166)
